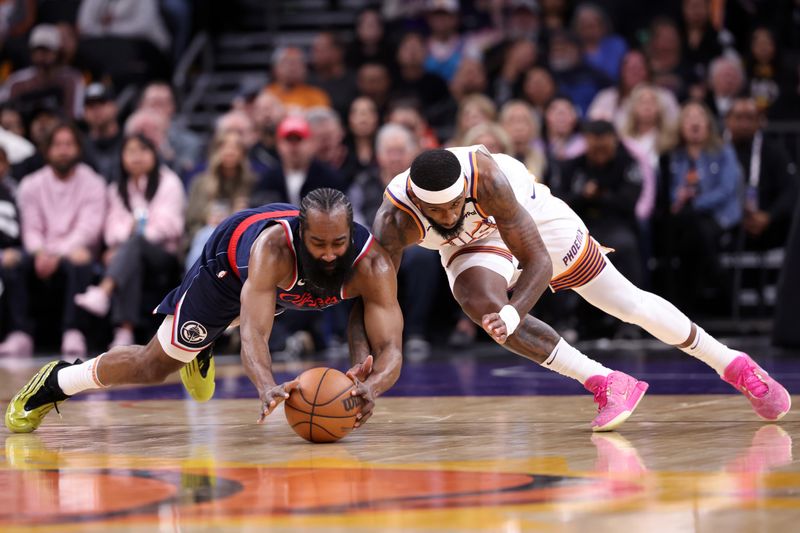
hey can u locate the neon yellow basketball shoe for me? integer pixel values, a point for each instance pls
(29, 406)
(198, 376)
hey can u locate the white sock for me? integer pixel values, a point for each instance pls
(710, 351)
(77, 378)
(570, 362)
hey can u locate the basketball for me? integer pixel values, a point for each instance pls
(321, 408)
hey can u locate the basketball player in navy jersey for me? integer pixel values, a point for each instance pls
(256, 263)
(496, 229)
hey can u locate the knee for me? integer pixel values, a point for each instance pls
(477, 305)
(631, 308)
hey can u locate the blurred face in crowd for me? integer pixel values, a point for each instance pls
(470, 78)
(295, 151)
(665, 43)
(442, 24)
(230, 153)
(491, 142)
(762, 45)
(369, 27)
(695, 127)
(411, 52)
(363, 117)
(239, 123)
(325, 52)
(517, 120)
(44, 58)
(633, 70)
(410, 118)
(695, 12)
(158, 98)
(152, 125)
(395, 153)
(561, 118)
(600, 148)
(100, 114)
(137, 158)
(539, 86)
(290, 69)
(589, 25)
(646, 108)
(743, 120)
(328, 136)
(373, 81)
(471, 115)
(268, 112)
(41, 126)
(523, 23)
(726, 78)
(11, 120)
(564, 54)
(64, 151)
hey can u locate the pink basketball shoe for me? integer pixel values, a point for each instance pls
(768, 397)
(616, 395)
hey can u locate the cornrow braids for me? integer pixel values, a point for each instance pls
(325, 200)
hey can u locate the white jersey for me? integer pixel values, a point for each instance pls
(477, 224)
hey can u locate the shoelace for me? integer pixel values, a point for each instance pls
(750, 380)
(601, 396)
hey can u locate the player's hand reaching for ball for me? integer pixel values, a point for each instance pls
(272, 397)
(495, 326)
(367, 398)
(361, 371)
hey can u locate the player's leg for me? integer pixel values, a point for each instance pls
(611, 292)
(479, 282)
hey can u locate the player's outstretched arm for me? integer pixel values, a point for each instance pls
(520, 234)
(257, 315)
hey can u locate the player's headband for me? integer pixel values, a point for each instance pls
(439, 197)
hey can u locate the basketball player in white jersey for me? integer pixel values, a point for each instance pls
(497, 230)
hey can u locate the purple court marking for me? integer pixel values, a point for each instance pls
(668, 372)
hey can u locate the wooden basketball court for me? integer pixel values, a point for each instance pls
(443, 463)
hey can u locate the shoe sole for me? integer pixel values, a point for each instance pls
(17, 423)
(618, 420)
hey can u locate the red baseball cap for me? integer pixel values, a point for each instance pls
(294, 125)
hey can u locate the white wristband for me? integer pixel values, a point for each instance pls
(511, 318)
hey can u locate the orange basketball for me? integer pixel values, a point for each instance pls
(321, 408)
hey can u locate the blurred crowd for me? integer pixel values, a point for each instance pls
(647, 118)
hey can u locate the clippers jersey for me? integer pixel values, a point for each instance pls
(477, 224)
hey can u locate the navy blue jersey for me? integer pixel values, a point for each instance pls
(208, 299)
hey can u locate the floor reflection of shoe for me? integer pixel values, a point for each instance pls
(417, 349)
(616, 395)
(769, 399)
(198, 375)
(28, 452)
(615, 454)
(39, 396)
(771, 447)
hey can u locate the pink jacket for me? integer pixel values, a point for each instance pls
(60, 216)
(165, 212)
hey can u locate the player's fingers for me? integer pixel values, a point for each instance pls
(291, 385)
(363, 420)
(366, 366)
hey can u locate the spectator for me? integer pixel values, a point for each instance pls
(17, 17)
(473, 110)
(612, 103)
(407, 113)
(224, 188)
(699, 197)
(555, 14)
(11, 120)
(268, 111)
(726, 81)
(395, 149)
(330, 73)
(664, 53)
(538, 88)
(770, 82)
(42, 123)
(523, 128)
(573, 76)
(412, 80)
(602, 49)
(289, 85)
(648, 125)
(16, 148)
(362, 125)
(154, 126)
(104, 139)
(242, 124)
(124, 39)
(469, 79)
(563, 139)
(62, 208)
(299, 172)
(375, 83)
(520, 57)
(770, 177)
(328, 136)
(603, 186)
(143, 230)
(48, 82)
(370, 44)
(522, 23)
(19, 342)
(446, 46)
(491, 135)
(185, 146)
(700, 41)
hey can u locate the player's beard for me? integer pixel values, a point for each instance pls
(317, 277)
(449, 234)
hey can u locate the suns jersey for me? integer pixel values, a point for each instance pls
(477, 223)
